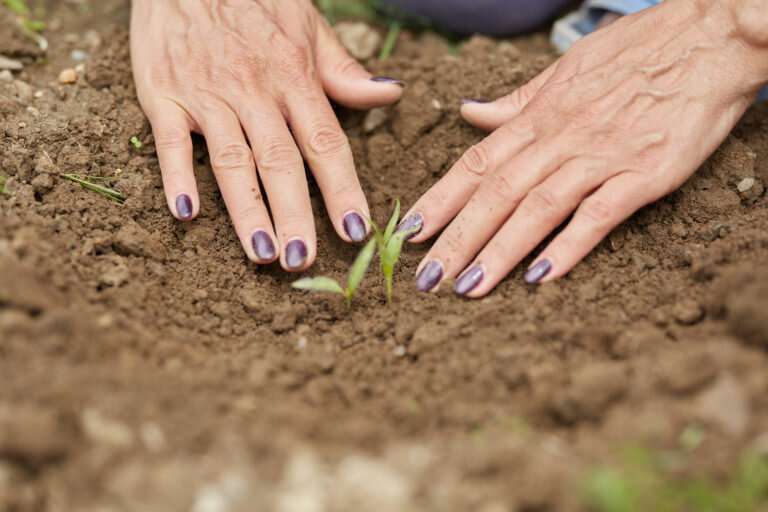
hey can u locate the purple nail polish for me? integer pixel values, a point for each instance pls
(413, 222)
(538, 272)
(263, 245)
(387, 80)
(184, 206)
(430, 276)
(295, 254)
(469, 280)
(474, 100)
(355, 227)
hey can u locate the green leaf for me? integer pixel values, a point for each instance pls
(394, 246)
(17, 6)
(34, 25)
(361, 264)
(392, 223)
(318, 284)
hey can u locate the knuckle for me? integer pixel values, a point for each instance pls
(171, 138)
(277, 155)
(476, 162)
(500, 187)
(541, 202)
(327, 141)
(233, 156)
(597, 210)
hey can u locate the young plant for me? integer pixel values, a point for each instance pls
(356, 273)
(390, 245)
(136, 142)
(88, 182)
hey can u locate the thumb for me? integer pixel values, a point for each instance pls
(491, 115)
(345, 80)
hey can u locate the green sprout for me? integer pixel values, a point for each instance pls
(356, 273)
(390, 245)
(136, 142)
(390, 41)
(88, 182)
(30, 27)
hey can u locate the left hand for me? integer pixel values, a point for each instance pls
(622, 119)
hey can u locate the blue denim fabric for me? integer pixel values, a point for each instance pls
(498, 18)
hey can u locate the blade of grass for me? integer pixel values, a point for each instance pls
(392, 223)
(390, 41)
(360, 266)
(105, 191)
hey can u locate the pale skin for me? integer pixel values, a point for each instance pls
(622, 119)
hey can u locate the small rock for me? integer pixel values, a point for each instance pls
(10, 64)
(360, 40)
(68, 76)
(6, 76)
(724, 405)
(375, 118)
(399, 351)
(116, 275)
(101, 430)
(133, 240)
(42, 183)
(79, 55)
(24, 91)
(688, 312)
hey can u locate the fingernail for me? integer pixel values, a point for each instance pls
(473, 100)
(263, 245)
(184, 206)
(430, 276)
(387, 80)
(538, 272)
(469, 280)
(295, 254)
(413, 222)
(354, 226)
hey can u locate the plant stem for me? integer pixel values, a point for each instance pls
(389, 43)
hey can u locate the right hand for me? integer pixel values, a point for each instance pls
(247, 70)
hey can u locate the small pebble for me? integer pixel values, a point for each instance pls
(68, 76)
(302, 342)
(79, 56)
(399, 351)
(6, 76)
(688, 312)
(375, 118)
(10, 64)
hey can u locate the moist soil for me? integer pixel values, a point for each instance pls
(145, 364)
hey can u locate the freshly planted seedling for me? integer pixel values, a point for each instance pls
(390, 245)
(356, 273)
(29, 26)
(88, 182)
(136, 142)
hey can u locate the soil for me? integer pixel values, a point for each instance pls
(145, 364)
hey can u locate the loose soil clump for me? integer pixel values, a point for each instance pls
(147, 365)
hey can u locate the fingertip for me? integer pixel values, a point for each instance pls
(297, 255)
(354, 228)
(184, 208)
(263, 249)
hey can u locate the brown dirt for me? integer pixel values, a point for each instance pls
(146, 365)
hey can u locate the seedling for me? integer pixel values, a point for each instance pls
(390, 245)
(136, 142)
(88, 182)
(29, 26)
(356, 273)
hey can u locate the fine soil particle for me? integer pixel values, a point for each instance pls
(147, 365)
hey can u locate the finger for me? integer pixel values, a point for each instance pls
(235, 171)
(448, 196)
(542, 210)
(326, 149)
(281, 170)
(491, 115)
(595, 218)
(490, 206)
(171, 126)
(345, 80)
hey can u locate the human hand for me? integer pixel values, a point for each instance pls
(247, 70)
(622, 119)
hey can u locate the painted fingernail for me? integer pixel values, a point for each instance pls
(295, 254)
(469, 280)
(387, 80)
(430, 276)
(354, 226)
(263, 245)
(538, 272)
(184, 206)
(415, 221)
(474, 100)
